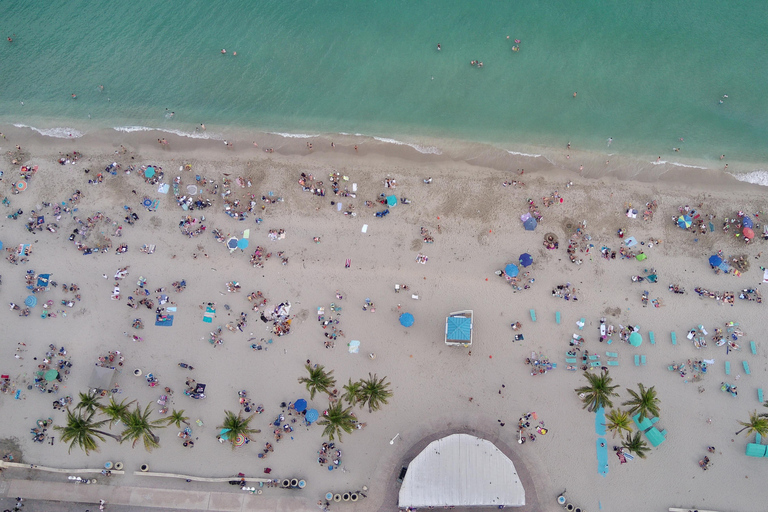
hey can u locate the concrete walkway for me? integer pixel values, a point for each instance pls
(150, 498)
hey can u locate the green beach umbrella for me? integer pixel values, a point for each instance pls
(635, 339)
(51, 375)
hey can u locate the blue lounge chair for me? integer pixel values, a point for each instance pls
(612, 363)
(652, 337)
(753, 347)
(642, 360)
(557, 317)
(594, 357)
(533, 315)
(674, 338)
(637, 360)
(746, 367)
(727, 367)
(612, 354)
(760, 394)
(594, 364)
(571, 360)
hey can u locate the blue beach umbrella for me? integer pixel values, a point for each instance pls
(511, 270)
(150, 172)
(232, 243)
(530, 224)
(242, 243)
(312, 416)
(684, 221)
(391, 201)
(147, 203)
(526, 259)
(458, 328)
(747, 222)
(406, 319)
(715, 260)
(31, 301)
(300, 405)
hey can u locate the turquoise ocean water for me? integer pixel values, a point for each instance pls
(647, 73)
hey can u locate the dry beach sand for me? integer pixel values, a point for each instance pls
(437, 389)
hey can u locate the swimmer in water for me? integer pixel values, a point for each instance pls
(574, 94)
(480, 64)
(473, 62)
(438, 47)
(223, 51)
(10, 40)
(610, 139)
(101, 87)
(74, 96)
(234, 54)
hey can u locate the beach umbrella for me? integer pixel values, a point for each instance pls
(51, 375)
(242, 243)
(312, 416)
(511, 270)
(391, 201)
(150, 172)
(300, 405)
(458, 328)
(21, 186)
(715, 260)
(530, 224)
(223, 434)
(526, 259)
(684, 221)
(747, 222)
(192, 189)
(748, 233)
(232, 243)
(406, 319)
(147, 203)
(240, 440)
(635, 339)
(31, 301)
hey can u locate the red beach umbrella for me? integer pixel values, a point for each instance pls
(748, 233)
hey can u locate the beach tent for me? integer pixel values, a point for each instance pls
(511, 270)
(525, 259)
(406, 319)
(635, 339)
(458, 328)
(101, 379)
(462, 471)
(684, 221)
(715, 260)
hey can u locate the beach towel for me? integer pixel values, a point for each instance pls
(746, 367)
(674, 338)
(209, 314)
(753, 347)
(652, 337)
(354, 346)
(164, 320)
(602, 456)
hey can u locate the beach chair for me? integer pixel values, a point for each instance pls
(581, 324)
(674, 338)
(753, 347)
(594, 364)
(557, 317)
(727, 367)
(533, 315)
(760, 395)
(571, 360)
(637, 360)
(642, 360)
(746, 367)
(671, 368)
(612, 363)
(594, 357)
(612, 354)
(652, 337)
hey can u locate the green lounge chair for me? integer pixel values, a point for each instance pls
(612, 354)
(557, 317)
(533, 315)
(571, 360)
(746, 367)
(760, 394)
(612, 363)
(594, 364)
(652, 337)
(674, 338)
(642, 360)
(753, 347)
(637, 360)
(727, 367)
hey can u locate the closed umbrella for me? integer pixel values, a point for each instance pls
(300, 405)
(511, 270)
(526, 259)
(406, 319)
(635, 339)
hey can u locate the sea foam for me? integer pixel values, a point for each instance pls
(517, 153)
(58, 132)
(294, 135)
(427, 150)
(759, 177)
(191, 135)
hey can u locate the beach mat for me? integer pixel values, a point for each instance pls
(164, 321)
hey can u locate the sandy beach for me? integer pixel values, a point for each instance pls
(472, 211)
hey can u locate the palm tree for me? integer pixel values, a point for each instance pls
(89, 402)
(757, 424)
(115, 412)
(318, 380)
(352, 392)
(177, 418)
(337, 420)
(374, 392)
(636, 445)
(618, 422)
(599, 391)
(237, 426)
(644, 403)
(81, 430)
(764, 414)
(139, 426)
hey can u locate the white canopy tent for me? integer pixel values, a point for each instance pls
(461, 470)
